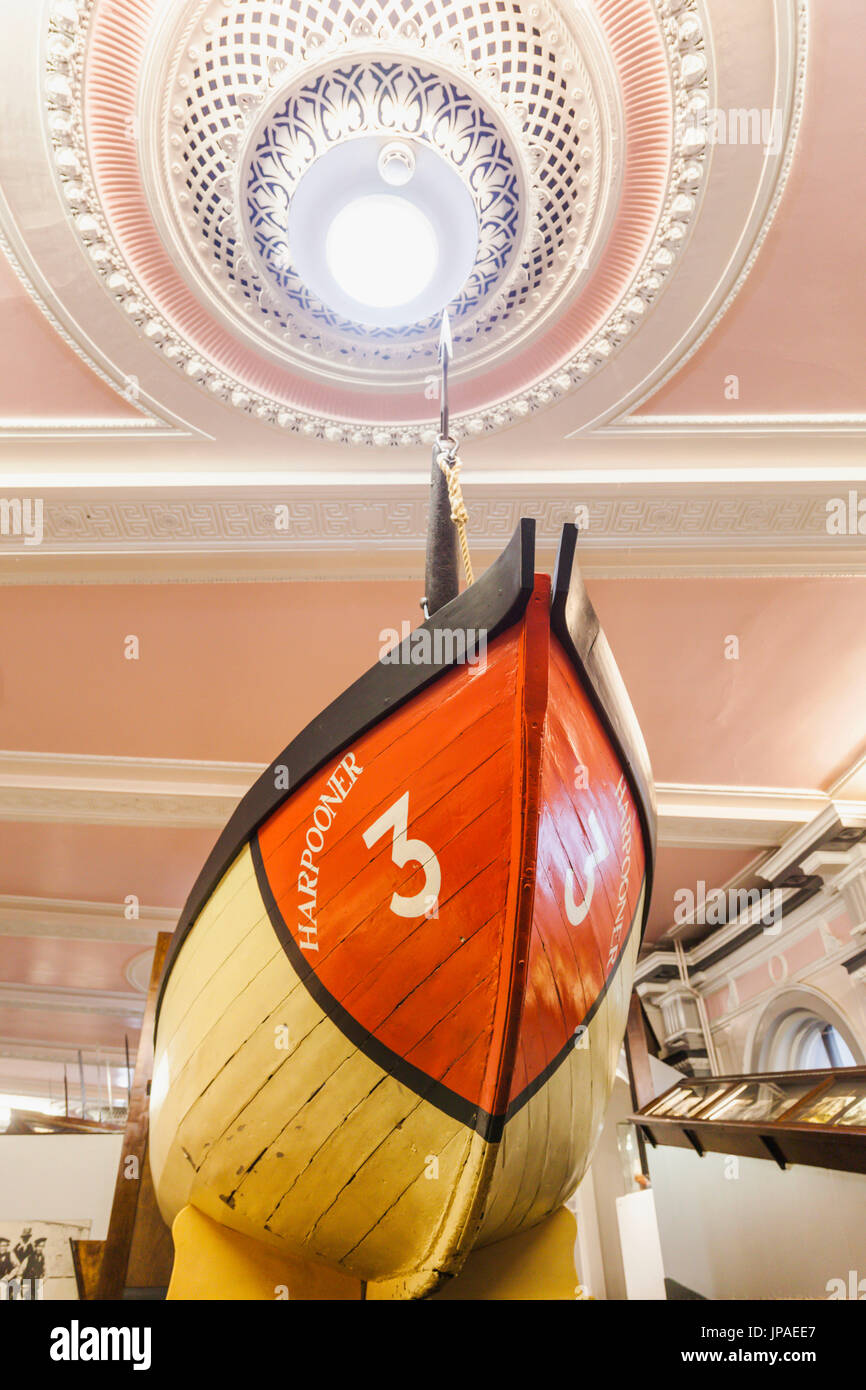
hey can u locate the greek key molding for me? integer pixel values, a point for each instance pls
(294, 519)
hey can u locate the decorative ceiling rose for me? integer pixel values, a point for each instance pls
(462, 153)
(526, 104)
(528, 147)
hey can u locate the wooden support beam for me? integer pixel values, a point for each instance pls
(637, 1060)
(86, 1259)
(128, 1190)
(637, 1055)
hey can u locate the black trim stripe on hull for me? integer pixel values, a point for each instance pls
(574, 622)
(457, 1107)
(448, 1101)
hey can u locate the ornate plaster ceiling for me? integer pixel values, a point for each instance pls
(168, 385)
(180, 133)
(631, 260)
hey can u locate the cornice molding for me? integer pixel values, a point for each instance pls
(49, 787)
(706, 817)
(106, 790)
(83, 427)
(833, 837)
(756, 527)
(76, 920)
(835, 817)
(752, 426)
(56, 1050)
(118, 1004)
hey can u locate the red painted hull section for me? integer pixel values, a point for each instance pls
(474, 930)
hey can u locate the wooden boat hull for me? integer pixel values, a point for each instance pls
(390, 1025)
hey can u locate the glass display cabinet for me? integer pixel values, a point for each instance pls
(811, 1117)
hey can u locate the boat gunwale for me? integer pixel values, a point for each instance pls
(574, 622)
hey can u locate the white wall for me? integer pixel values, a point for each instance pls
(608, 1185)
(59, 1177)
(762, 1234)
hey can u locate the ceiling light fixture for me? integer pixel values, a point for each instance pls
(382, 250)
(384, 233)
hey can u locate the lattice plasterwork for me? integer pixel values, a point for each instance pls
(688, 66)
(367, 77)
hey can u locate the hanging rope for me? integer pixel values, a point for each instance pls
(451, 465)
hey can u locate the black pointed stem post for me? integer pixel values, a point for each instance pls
(442, 582)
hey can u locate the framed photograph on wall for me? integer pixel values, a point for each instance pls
(36, 1259)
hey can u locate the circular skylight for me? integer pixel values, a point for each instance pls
(377, 254)
(382, 251)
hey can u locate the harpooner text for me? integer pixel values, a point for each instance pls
(625, 869)
(340, 783)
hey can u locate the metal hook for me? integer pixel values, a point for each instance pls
(447, 446)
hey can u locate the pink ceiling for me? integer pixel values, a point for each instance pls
(102, 863)
(85, 1030)
(788, 713)
(233, 672)
(794, 335)
(685, 868)
(64, 386)
(228, 672)
(49, 961)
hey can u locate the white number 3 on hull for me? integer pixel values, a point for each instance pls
(600, 850)
(403, 850)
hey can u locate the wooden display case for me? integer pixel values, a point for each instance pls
(812, 1117)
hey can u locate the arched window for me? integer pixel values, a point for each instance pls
(813, 1043)
(801, 1031)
